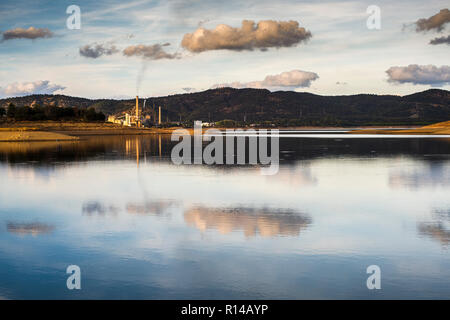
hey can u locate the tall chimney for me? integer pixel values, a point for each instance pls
(137, 106)
(137, 111)
(159, 120)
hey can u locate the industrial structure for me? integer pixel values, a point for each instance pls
(137, 120)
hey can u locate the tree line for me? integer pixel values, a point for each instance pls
(39, 113)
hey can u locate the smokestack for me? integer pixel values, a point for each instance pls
(137, 111)
(137, 106)
(159, 120)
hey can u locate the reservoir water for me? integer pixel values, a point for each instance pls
(140, 227)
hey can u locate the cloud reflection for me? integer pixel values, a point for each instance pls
(158, 207)
(96, 208)
(252, 221)
(34, 228)
(149, 207)
(437, 229)
(437, 174)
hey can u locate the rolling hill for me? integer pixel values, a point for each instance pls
(280, 108)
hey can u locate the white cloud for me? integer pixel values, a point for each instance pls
(30, 33)
(289, 79)
(250, 36)
(416, 74)
(96, 50)
(27, 88)
(151, 52)
(436, 22)
(440, 40)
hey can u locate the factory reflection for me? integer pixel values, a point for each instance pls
(438, 228)
(158, 147)
(56, 153)
(252, 222)
(33, 228)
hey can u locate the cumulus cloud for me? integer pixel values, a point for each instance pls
(440, 40)
(436, 22)
(263, 35)
(150, 52)
(26, 88)
(30, 33)
(417, 74)
(289, 79)
(96, 50)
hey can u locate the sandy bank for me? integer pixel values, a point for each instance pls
(437, 128)
(59, 131)
(34, 136)
(80, 129)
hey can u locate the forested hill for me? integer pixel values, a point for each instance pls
(281, 107)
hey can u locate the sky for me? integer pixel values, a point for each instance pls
(156, 48)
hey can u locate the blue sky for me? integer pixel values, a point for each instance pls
(346, 56)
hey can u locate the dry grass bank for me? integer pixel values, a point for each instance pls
(437, 128)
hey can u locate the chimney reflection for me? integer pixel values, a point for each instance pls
(137, 152)
(159, 145)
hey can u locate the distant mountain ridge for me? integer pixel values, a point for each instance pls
(280, 107)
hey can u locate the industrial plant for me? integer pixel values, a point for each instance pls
(138, 119)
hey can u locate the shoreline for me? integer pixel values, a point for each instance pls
(441, 128)
(72, 131)
(34, 136)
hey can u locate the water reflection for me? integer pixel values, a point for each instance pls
(263, 222)
(33, 147)
(298, 176)
(89, 148)
(435, 173)
(436, 231)
(438, 228)
(442, 214)
(145, 228)
(158, 147)
(93, 208)
(33, 228)
(153, 207)
(157, 207)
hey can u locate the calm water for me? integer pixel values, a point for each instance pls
(140, 227)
